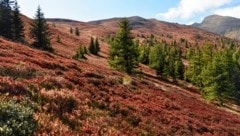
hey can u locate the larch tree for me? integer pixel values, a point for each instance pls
(171, 64)
(216, 76)
(194, 69)
(144, 54)
(236, 76)
(157, 59)
(123, 52)
(40, 32)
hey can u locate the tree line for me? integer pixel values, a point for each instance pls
(215, 70)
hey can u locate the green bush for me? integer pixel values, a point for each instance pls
(16, 119)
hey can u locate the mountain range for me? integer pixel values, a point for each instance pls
(223, 25)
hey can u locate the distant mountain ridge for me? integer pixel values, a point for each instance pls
(223, 25)
(161, 30)
(62, 20)
(135, 21)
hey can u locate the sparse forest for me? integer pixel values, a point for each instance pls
(215, 71)
(128, 76)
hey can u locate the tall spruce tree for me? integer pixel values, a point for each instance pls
(40, 32)
(6, 22)
(94, 46)
(123, 52)
(18, 26)
(91, 46)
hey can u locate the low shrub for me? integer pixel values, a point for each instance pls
(134, 120)
(16, 119)
(56, 83)
(18, 72)
(58, 102)
(94, 75)
(9, 86)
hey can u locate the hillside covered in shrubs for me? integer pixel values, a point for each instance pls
(78, 78)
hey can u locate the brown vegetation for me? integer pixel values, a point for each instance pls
(89, 98)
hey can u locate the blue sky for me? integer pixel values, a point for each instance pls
(179, 11)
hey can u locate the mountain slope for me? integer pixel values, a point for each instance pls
(87, 97)
(102, 104)
(223, 25)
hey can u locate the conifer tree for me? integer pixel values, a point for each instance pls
(144, 54)
(217, 77)
(178, 64)
(157, 59)
(194, 69)
(189, 53)
(171, 64)
(94, 46)
(40, 32)
(97, 46)
(236, 75)
(18, 26)
(6, 22)
(179, 69)
(123, 52)
(77, 33)
(91, 46)
(80, 53)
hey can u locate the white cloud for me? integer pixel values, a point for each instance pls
(188, 8)
(231, 11)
